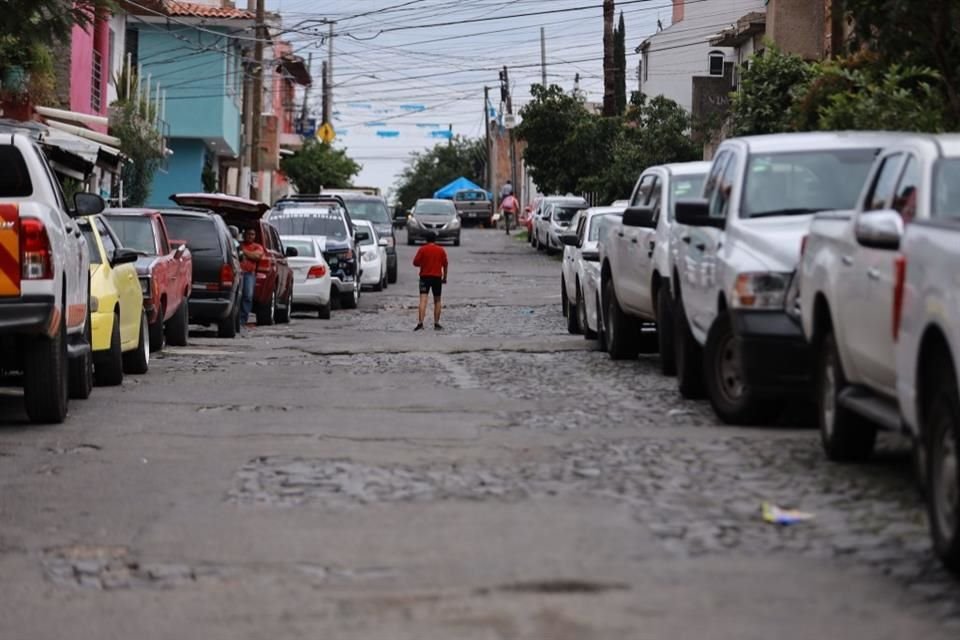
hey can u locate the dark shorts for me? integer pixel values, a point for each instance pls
(431, 283)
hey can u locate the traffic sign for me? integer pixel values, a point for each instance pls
(326, 133)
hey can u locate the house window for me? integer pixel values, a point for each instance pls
(716, 63)
(645, 64)
(96, 92)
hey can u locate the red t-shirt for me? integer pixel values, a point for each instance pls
(432, 260)
(246, 264)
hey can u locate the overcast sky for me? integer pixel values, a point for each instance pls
(405, 70)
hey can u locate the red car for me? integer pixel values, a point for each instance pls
(526, 218)
(165, 268)
(273, 294)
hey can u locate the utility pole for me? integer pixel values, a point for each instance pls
(505, 91)
(328, 114)
(450, 137)
(325, 88)
(306, 94)
(257, 98)
(609, 65)
(491, 175)
(543, 57)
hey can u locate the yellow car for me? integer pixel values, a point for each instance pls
(120, 338)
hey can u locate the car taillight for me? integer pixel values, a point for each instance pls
(899, 285)
(316, 271)
(264, 264)
(226, 276)
(36, 258)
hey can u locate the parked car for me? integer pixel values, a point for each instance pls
(327, 219)
(474, 206)
(635, 265)
(165, 268)
(373, 256)
(44, 283)
(273, 291)
(554, 219)
(925, 321)
(581, 267)
(312, 288)
(734, 253)
(439, 216)
(526, 218)
(374, 209)
(215, 292)
(120, 331)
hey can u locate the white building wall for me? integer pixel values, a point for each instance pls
(681, 51)
(118, 39)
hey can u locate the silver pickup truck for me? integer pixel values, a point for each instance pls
(473, 206)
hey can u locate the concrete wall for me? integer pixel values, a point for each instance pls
(117, 26)
(797, 26)
(182, 174)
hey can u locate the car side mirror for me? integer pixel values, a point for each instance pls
(362, 236)
(695, 212)
(590, 256)
(123, 256)
(569, 239)
(291, 252)
(88, 204)
(644, 217)
(880, 229)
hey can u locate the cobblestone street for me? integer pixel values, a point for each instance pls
(349, 478)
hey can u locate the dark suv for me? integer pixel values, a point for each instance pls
(215, 295)
(373, 209)
(325, 216)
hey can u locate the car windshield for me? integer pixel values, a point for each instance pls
(470, 196)
(304, 247)
(685, 187)
(310, 222)
(91, 239)
(372, 210)
(795, 183)
(135, 232)
(444, 208)
(200, 234)
(565, 214)
(946, 189)
(600, 223)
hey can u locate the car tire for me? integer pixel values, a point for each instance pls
(731, 397)
(80, 370)
(410, 240)
(845, 436)
(601, 331)
(573, 317)
(267, 313)
(227, 327)
(689, 355)
(283, 313)
(137, 362)
(378, 286)
(392, 274)
(456, 241)
(564, 301)
(158, 339)
(45, 373)
(620, 329)
(350, 300)
(665, 328)
(178, 329)
(588, 333)
(108, 365)
(324, 311)
(940, 420)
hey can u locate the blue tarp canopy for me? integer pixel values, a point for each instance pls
(458, 185)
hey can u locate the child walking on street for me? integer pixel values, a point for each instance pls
(432, 260)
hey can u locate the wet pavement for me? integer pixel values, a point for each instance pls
(500, 479)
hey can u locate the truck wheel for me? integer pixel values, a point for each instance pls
(266, 313)
(108, 365)
(941, 415)
(689, 356)
(227, 327)
(137, 362)
(157, 337)
(846, 437)
(45, 378)
(601, 332)
(283, 314)
(351, 299)
(392, 274)
(80, 370)
(564, 301)
(573, 317)
(731, 397)
(620, 328)
(588, 333)
(178, 327)
(665, 322)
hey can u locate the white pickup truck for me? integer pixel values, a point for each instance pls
(44, 282)
(635, 272)
(734, 253)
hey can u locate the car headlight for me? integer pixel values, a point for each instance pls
(145, 286)
(369, 256)
(413, 221)
(761, 290)
(454, 223)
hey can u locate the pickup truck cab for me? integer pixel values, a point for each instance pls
(635, 268)
(44, 282)
(926, 326)
(734, 253)
(165, 268)
(474, 206)
(374, 209)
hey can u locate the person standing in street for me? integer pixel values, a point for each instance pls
(432, 260)
(510, 205)
(250, 254)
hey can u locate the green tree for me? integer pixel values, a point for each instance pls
(317, 166)
(547, 124)
(430, 170)
(620, 58)
(46, 21)
(766, 95)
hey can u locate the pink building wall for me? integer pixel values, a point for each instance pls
(83, 44)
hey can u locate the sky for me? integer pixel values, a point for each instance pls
(405, 71)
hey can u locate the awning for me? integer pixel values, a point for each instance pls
(296, 68)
